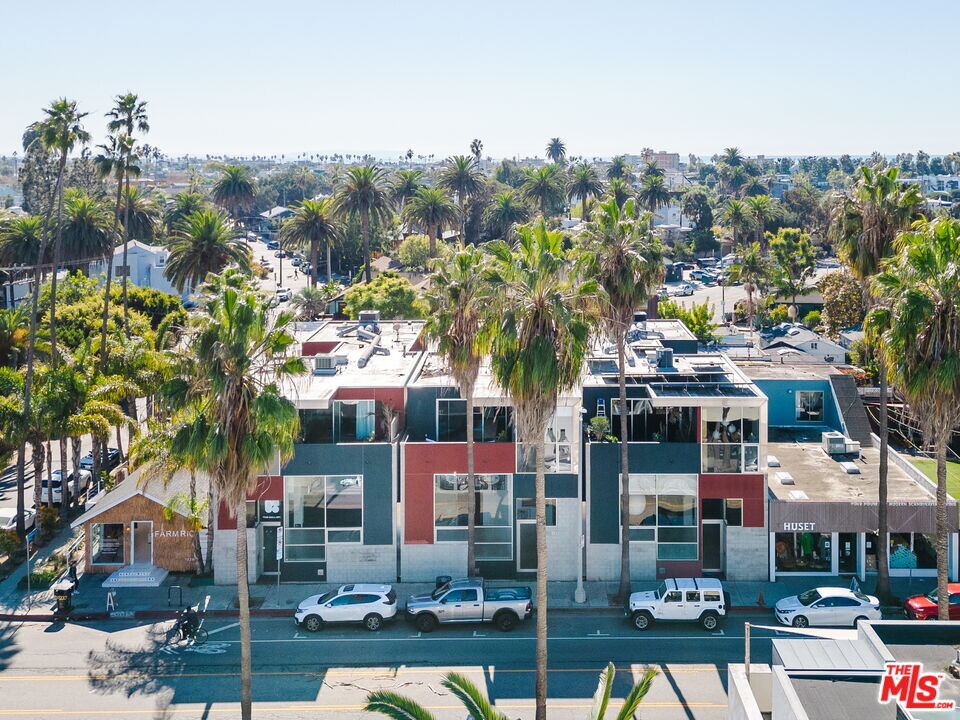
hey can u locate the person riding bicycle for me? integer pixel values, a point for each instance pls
(188, 622)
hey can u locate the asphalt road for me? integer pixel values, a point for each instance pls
(120, 669)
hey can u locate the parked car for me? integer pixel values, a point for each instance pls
(684, 290)
(51, 491)
(827, 606)
(273, 245)
(111, 458)
(924, 607)
(296, 262)
(470, 601)
(284, 293)
(698, 600)
(8, 518)
(367, 604)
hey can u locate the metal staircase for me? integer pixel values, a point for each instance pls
(851, 409)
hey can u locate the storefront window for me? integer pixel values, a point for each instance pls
(847, 552)
(913, 551)
(646, 423)
(663, 509)
(319, 510)
(494, 513)
(809, 406)
(803, 552)
(106, 543)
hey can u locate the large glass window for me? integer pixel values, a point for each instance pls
(915, 551)
(321, 509)
(728, 509)
(354, 420)
(646, 423)
(493, 518)
(451, 420)
(490, 423)
(803, 552)
(809, 406)
(558, 445)
(316, 426)
(729, 440)
(106, 543)
(663, 509)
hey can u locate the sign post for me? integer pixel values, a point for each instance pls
(279, 554)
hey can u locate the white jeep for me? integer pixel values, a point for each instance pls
(700, 600)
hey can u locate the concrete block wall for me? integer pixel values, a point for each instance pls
(563, 541)
(361, 563)
(643, 561)
(422, 563)
(225, 556)
(603, 561)
(748, 555)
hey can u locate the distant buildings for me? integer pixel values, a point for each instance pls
(145, 266)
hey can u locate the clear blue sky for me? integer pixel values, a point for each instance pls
(285, 76)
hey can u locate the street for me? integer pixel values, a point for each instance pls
(126, 669)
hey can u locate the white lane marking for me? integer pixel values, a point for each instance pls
(719, 632)
(221, 629)
(598, 634)
(448, 638)
(478, 634)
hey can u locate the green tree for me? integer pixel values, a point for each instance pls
(762, 208)
(87, 228)
(504, 212)
(584, 184)
(205, 242)
(432, 209)
(794, 262)
(363, 195)
(393, 296)
(141, 216)
(620, 169)
(460, 298)
(556, 150)
(184, 204)
(238, 353)
(654, 193)
(626, 261)
(736, 217)
(918, 323)
(462, 176)
(404, 186)
(414, 252)
(843, 305)
(312, 302)
(14, 336)
(235, 190)
(698, 318)
(312, 224)
(540, 342)
(753, 270)
(544, 188)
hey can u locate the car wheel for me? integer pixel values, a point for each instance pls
(642, 620)
(709, 620)
(800, 621)
(505, 621)
(373, 622)
(426, 623)
(312, 623)
(858, 619)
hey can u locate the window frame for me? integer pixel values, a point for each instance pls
(452, 532)
(123, 537)
(798, 405)
(325, 528)
(652, 531)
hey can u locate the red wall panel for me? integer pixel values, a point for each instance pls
(269, 487)
(316, 347)
(752, 488)
(392, 396)
(678, 569)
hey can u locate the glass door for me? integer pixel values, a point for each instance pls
(271, 564)
(848, 553)
(713, 545)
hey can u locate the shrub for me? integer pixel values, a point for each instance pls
(414, 252)
(812, 319)
(393, 296)
(48, 519)
(10, 543)
(599, 427)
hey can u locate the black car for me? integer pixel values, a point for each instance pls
(110, 459)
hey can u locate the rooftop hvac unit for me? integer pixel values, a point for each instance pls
(370, 319)
(836, 443)
(324, 365)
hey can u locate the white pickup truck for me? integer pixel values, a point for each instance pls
(699, 600)
(470, 600)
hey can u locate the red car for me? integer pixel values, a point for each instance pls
(924, 607)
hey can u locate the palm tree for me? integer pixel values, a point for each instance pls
(432, 208)
(556, 150)
(363, 195)
(863, 226)
(544, 188)
(654, 193)
(620, 169)
(794, 262)
(627, 263)
(235, 190)
(619, 191)
(476, 149)
(631, 703)
(141, 216)
(312, 302)
(128, 115)
(539, 346)
(14, 336)
(313, 222)
(761, 208)
(460, 298)
(205, 242)
(584, 184)
(404, 186)
(735, 215)
(237, 358)
(87, 228)
(918, 322)
(462, 176)
(732, 156)
(185, 203)
(753, 270)
(505, 211)
(20, 241)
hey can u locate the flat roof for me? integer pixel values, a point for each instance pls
(821, 478)
(842, 698)
(776, 371)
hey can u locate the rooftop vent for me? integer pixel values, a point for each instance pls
(665, 358)
(370, 320)
(324, 365)
(836, 443)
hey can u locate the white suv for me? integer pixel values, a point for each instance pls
(699, 600)
(370, 605)
(51, 493)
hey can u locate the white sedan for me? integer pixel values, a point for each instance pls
(827, 606)
(8, 519)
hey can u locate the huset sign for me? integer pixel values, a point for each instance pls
(909, 685)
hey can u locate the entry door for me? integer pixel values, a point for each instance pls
(526, 545)
(270, 563)
(143, 541)
(713, 537)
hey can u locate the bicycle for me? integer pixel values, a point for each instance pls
(197, 633)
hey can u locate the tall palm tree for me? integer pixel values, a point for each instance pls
(753, 270)
(863, 225)
(794, 262)
(732, 156)
(363, 195)
(237, 360)
(60, 132)
(184, 204)
(476, 149)
(735, 215)
(404, 186)
(313, 223)
(556, 150)
(205, 242)
(654, 193)
(584, 184)
(626, 261)
(14, 332)
(544, 188)
(620, 169)
(141, 216)
(87, 228)
(460, 299)
(235, 190)
(127, 116)
(461, 175)
(20, 241)
(504, 211)
(918, 322)
(432, 208)
(761, 208)
(539, 346)
(619, 191)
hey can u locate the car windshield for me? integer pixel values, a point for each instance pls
(661, 591)
(327, 597)
(808, 597)
(932, 595)
(861, 597)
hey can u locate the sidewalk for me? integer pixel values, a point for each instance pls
(270, 599)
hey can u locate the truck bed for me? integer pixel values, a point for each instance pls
(506, 594)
